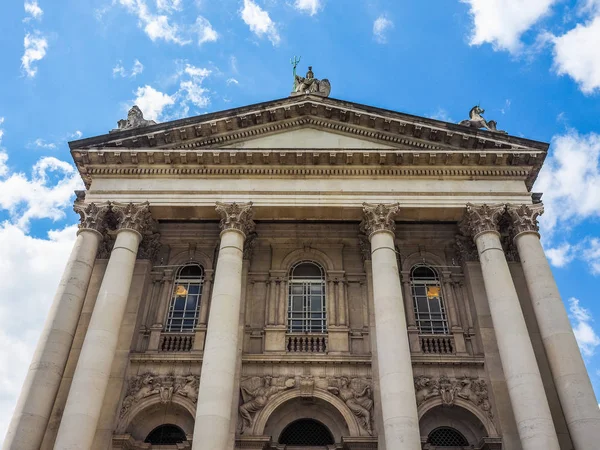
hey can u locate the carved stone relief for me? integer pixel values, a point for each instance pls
(256, 392)
(481, 218)
(378, 217)
(236, 216)
(163, 386)
(358, 396)
(448, 389)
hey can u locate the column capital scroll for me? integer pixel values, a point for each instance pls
(379, 217)
(236, 216)
(133, 216)
(481, 218)
(525, 217)
(92, 215)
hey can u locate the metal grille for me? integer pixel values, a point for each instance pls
(427, 296)
(185, 301)
(447, 437)
(166, 435)
(306, 432)
(306, 308)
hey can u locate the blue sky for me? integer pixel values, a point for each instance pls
(72, 68)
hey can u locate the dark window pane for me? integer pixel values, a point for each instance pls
(434, 306)
(306, 270)
(193, 289)
(422, 305)
(420, 291)
(315, 304)
(316, 288)
(179, 303)
(191, 303)
(297, 289)
(191, 271)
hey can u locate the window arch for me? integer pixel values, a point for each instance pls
(184, 307)
(430, 312)
(306, 432)
(447, 437)
(307, 310)
(166, 435)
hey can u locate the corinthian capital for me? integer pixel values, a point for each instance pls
(379, 217)
(481, 218)
(524, 217)
(236, 216)
(133, 216)
(92, 216)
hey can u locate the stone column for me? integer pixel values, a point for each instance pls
(523, 379)
(572, 382)
(218, 377)
(398, 404)
(34, 407)
(90, 380)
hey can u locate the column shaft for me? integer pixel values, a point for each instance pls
(400, 418)
(34, 407)
(523, 379)
(86, 395)
(217, 381)
(568, 369)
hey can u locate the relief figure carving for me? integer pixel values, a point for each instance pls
(358, 397)
(256, 392)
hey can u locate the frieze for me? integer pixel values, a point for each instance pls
(162, 386)
(448, 390)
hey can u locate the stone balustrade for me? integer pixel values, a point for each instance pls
(176, 342)
(306, 343)
(435, 344)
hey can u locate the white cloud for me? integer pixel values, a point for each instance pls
(75, 135)
(581, 320)
(152, 102)
(562, 255)
(380, 27)
(43, 195)
(591, 254)
(576, 55)
(137, 68)
(192, 90)
(231, 81)
(570, 180)
(206, 33)
(169, 5)
(35, 50)
(259, 21)
(442, 114)
(120, 71)
(155, 26)
(34, 266)
(33, 9)
(40, 143)
(308, 6)
(503, 22)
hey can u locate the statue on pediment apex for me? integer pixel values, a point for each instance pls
(476, 120)
(135, 119)
(309, 84)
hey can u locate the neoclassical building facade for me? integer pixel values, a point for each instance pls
(307, 273)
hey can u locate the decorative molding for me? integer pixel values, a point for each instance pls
(448, 389)
(164, 386)
(92, 216)
(481, 218)
(379, 217)
(133, 216)
(236, 216)
(525, 217)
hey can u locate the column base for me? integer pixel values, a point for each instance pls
(275, 338)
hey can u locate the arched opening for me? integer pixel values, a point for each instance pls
(447, 437)
(166, 435)
(306, 432)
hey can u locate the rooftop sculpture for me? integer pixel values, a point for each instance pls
(309, 84)
(135, 119)
(476, 120)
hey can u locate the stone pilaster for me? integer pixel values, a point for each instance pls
(523, 379)
(570, 376)
(91, 377)
(394, 370)
(30, 419)
(219, 366)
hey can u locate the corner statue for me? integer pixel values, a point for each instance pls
(135, 119)
(476, 120)
(309, 84)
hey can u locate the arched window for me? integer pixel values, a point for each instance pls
(166, 435)
(306, 432)
(185, 300)
(447, 437)
(306, 307)
(427, 296)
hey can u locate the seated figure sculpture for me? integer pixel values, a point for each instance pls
(135, 119)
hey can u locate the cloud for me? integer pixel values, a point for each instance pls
(259, 21)
(33, 9)
(169, 5)
(442, 114)
(155, 26)
(137, 68)
(380, 27)
(576, 55)
(35, 266)
(231, 81)
(206, 32)
(35, 50)
(40, 143)
(120, 71)
(562, 255)
(152, 102)
(310, 7)
(570, 180)
(591, 254)
(503, 22)
(581, 320)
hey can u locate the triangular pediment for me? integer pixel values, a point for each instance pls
(308, 137)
